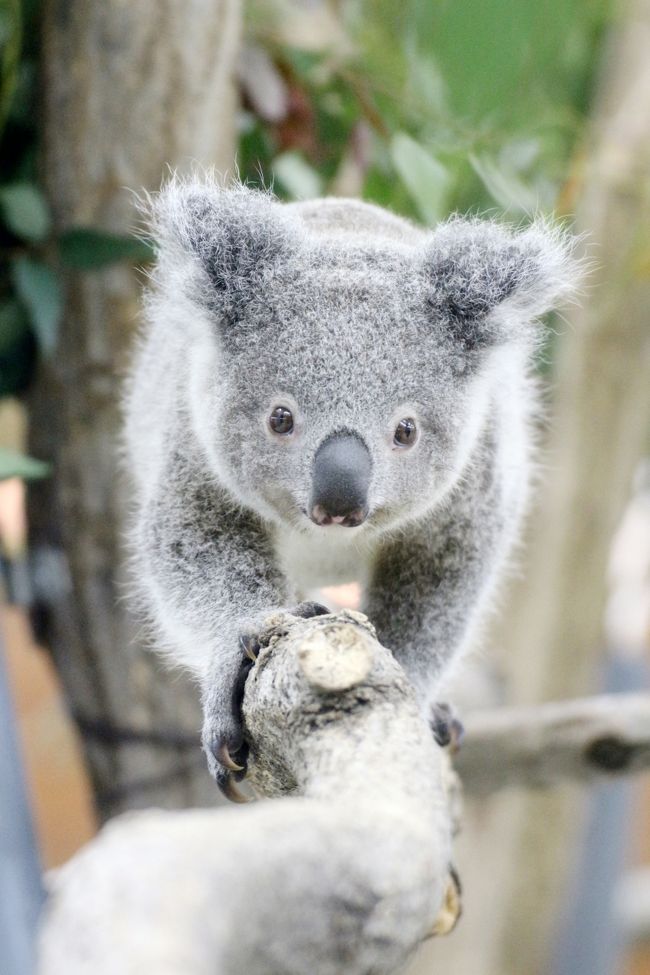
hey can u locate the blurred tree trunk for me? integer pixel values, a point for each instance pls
(129, 88)
(519, 849)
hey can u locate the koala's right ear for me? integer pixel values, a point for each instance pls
(488, 282)
(236, 235)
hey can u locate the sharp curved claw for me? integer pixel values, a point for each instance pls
(230, 790)
(457, 735)
(224, 757)
(250, 647)
(308, 609)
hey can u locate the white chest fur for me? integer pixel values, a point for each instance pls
(324, 556)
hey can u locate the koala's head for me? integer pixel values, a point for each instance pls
(341, 362)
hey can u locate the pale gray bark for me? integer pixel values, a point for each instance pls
(347, 873)
(129, 89)
(540, 746)
(348, 867)
(632, 907)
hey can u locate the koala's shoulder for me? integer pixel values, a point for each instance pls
(338, 216)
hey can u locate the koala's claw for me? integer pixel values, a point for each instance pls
(306, 610)
(225, 770)
(447, 727)
(223, 756)
(250, 645)
(228, 788)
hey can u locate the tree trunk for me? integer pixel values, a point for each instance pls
(552, 634)
(599, 434)
(129, 88)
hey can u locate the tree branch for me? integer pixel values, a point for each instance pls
(349, 872)
(537, 746)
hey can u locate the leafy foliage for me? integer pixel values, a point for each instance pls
(425, 106)
(86, 249)
(436, 105)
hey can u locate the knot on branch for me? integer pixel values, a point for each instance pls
(609, 753)
(317, 685)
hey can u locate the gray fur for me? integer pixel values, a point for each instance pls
(354, 319)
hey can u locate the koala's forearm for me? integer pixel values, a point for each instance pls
(431, 584)
(208, 569)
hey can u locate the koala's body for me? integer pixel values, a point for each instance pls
(325, 393)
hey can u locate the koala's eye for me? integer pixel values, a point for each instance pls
(405, 433)
(281, 420)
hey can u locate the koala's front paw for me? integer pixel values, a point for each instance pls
(447, 727)
(223, 730)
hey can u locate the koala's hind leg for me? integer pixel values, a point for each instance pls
(448, 729)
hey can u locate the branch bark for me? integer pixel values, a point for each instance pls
(349, 872)
(351, 868)
(565, 741)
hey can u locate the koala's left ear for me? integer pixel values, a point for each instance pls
(487, 280)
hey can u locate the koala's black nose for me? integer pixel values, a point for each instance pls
(340, 481)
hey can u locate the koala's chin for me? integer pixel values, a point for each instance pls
(368, 384)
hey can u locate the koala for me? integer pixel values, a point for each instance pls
(324, 392)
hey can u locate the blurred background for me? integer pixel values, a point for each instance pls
(426, 107)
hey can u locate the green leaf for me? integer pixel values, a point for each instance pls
(13, 325)
(25, 211)
(17, 348)
(85, 249)
(427, 180)
(13, 464)
(504, 186)
(39, 289)
(298, 178)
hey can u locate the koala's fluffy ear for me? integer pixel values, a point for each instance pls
(487, 280)
(235, 234)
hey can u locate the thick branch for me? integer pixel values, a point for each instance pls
(348, 873)
(632, 907)
(537, 746)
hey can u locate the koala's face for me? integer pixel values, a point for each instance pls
(340, 379)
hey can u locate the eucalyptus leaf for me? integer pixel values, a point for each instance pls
(13, 325)
(39, 289)
(298, 178)
(86, 249)
(17, 348)
(504, 186)
(25, 211)
(13, 464)
(427, 181)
